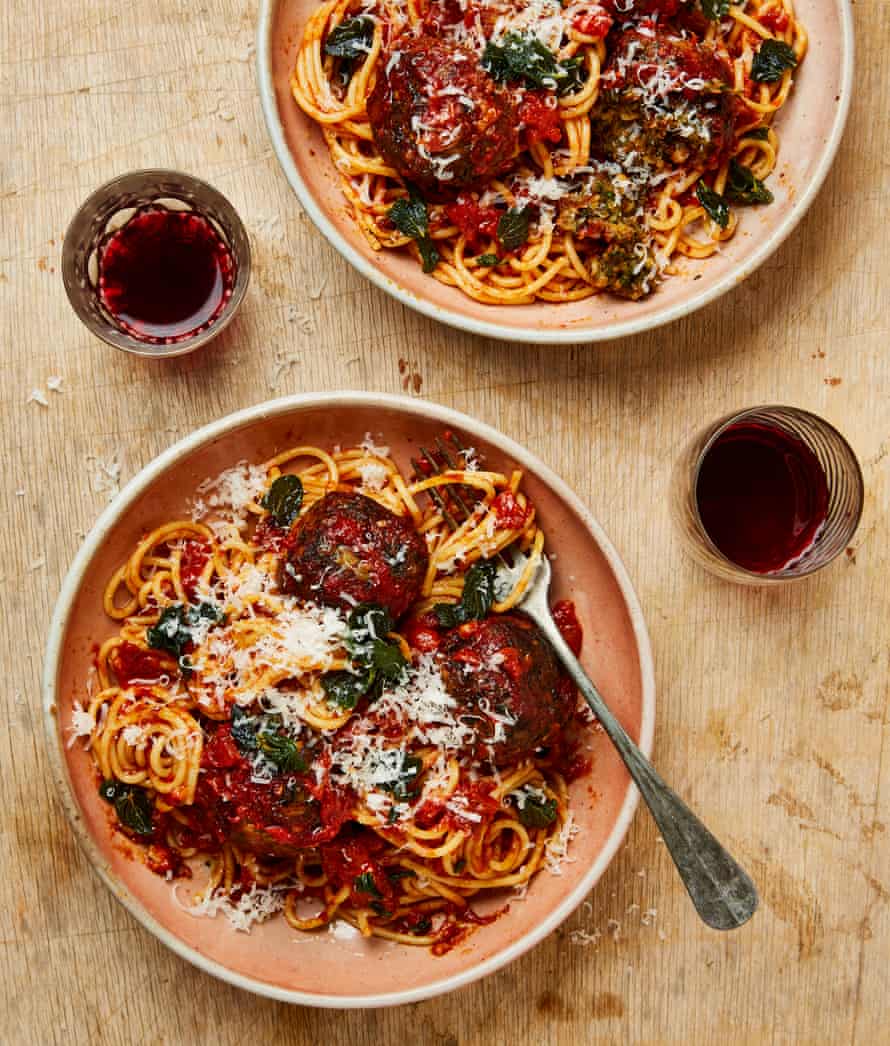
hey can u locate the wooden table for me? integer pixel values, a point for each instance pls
(772, 704)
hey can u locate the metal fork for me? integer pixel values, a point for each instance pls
(722, 892)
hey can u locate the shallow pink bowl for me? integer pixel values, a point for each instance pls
(324, 969)
(810, 128)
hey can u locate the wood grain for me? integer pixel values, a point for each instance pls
(773, 705)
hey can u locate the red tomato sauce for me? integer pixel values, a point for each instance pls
(422, 633)
(568, 624)
(508, 512)
(269, 536)
(477, 223)
(354, 861)
(539, 111)
(593, 21)
(132, 664)
(195, 555)
(776, 19)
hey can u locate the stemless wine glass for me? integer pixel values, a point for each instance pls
(109, 208)
(843, 477)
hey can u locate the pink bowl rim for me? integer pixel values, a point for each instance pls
(122, 502)
(558, 336)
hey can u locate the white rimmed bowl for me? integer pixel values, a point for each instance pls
(328, 969)
(810, 128)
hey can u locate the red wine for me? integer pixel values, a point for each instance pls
(762, 496)
(165, 275)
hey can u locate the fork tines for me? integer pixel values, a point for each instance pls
(456, 507)
(448, 500)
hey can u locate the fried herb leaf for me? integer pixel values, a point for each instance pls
(243, 730)
(429, 256)
(283, 499)
(771, 60)
(743, 187)
(387, 661)
(476, 598)
(261, 734)
(715, 206)
(132, 805)
(409, 215)
(513, 228)
(352, 38)
(403, 785)
(375, 661)
(714, 10)
(523, 57)
(175, 627)
(171, 632)
(282, 751)
(369, 624)
(487, 259)
(364, 883)
(536, 812)
(345, 688)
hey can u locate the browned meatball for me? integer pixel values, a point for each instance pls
(348, 549)
(507, 681)
(664, 99)
(277, 829)
(439, 118)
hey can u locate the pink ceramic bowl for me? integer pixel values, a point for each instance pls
(810, 126)
(325, 969)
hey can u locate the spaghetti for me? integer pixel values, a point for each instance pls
(530, 150)
(382, 761)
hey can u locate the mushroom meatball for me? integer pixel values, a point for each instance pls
(276, 829)
(438, 118)
(348, 549)
(507, 683)
(665, 99)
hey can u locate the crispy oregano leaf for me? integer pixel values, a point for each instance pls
(513, 228)
(743, 187)
(476, 598)
(771, 60)
(283, 499)
(132, 805)
(715, 206)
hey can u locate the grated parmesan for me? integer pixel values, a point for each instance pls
(255, 906)
(556, 852)
(81, 724)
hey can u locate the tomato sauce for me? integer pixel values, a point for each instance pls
(539, 112)
(422, 633)
(594, 21)
(568, 624)
(132, 664)
(477, 223)
(508, 511)
(195, 555)
(452, 933)
(775, 19)
(354, 861)
(269, 536)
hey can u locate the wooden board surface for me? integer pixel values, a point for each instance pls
(772, 704)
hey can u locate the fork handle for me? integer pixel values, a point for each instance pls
(722, 892)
